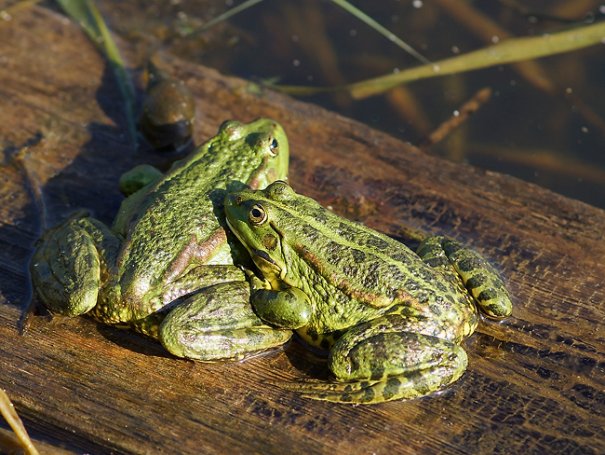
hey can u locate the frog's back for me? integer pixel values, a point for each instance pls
(368, 266)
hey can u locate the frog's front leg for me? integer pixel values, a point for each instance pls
(376, 362)
(479, 277)
(288, 308)
(217, 323)
(69, 262)
(139, 177)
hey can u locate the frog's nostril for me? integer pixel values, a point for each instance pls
(233, 199)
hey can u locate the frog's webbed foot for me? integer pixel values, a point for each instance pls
(374, 366)
(218, 324)
(397, 387)
(66, 266)
(479, 277)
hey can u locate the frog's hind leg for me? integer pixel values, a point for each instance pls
(374, 366)
(218, 324)
(479, 277)
(66, 267)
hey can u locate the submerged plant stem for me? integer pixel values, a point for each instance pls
(511, 50)
(223, 17)
(380, 29)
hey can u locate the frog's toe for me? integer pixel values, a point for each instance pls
(336, 392)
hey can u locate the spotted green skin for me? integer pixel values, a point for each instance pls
(392, 320)
(167, 258)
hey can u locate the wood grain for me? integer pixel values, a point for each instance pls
(535, 383)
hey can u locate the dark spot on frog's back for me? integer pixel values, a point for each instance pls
(396, 275)
(309, 232)
(320, 214)
(370, 279)
(435, 309)
(377, 242)
(342, 228)
(358, 255)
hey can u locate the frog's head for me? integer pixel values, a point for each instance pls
(261, 145)
(254, 218)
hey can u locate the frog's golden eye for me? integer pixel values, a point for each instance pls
(257, 214)
(274, 147)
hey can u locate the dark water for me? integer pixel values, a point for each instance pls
(544, 124)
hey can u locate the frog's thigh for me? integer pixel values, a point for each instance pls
(218, 323)
(391, 365)
(198, 276)
(479, 277)
(66, 267)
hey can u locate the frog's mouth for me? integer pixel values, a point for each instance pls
(271, 270)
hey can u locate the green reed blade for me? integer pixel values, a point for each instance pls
(85, 13)
(223, 17)
(509, 51)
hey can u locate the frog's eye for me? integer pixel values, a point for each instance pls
(274, 147)
(257, 214)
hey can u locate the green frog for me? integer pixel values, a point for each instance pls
(166, 265)
(392, 320)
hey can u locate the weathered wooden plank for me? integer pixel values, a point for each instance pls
(535, 382)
